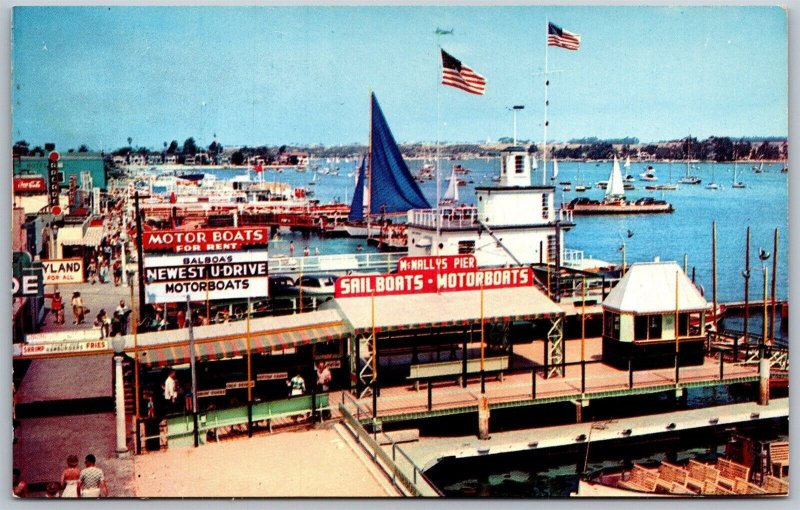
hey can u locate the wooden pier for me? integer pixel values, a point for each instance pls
(525, 386)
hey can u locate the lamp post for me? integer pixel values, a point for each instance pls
(118, 345)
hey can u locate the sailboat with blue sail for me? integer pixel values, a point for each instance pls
(385, 190)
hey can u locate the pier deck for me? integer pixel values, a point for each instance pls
(428, 451)
(398, 403)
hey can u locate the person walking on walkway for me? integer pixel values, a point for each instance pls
(124, 316)
(92, 480)
(91, 271)
(117, 272)
(57, 307)
(70, 477)
(77, 308)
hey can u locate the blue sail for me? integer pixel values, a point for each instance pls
(357, 205)
(392, 188)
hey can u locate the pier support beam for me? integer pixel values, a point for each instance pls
(364, 373)
(483, 417)
(579, 405)
(763, 382)
(555, 348)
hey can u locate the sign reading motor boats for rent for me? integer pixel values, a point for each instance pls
(201, 276)
(62, 271)
(204, 239)
(421, 275)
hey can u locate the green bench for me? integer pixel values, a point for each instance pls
(180, 428)
(294, 406)
(456, 368)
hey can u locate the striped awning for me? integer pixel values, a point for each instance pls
(229, 347)
(92, 237)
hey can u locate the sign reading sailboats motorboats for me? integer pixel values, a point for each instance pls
(421, 275)
(204, 239)
(206, 276)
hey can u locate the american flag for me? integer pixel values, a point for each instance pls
(561, 38)
(460, 76)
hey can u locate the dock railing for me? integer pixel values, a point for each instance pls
(530, 385)
(401, 469)
(338, 263)
(449, 217)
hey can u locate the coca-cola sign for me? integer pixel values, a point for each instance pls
(29, 184)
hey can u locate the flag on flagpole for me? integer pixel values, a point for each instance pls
(561, 38)
(460, 76)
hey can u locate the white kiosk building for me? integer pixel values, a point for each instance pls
(514, 223)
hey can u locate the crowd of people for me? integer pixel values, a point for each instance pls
(88, 482)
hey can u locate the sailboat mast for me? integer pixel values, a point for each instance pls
(369, 162)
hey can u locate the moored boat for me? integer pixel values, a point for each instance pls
(614, 201)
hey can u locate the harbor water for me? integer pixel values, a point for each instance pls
(762, 205)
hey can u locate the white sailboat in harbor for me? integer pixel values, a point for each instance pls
(712, 185)
(555, 170)
(689, 179)
(737, 184)
(628, 177)
(580, 187)
(450, 196)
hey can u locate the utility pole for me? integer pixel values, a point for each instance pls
(139, 254)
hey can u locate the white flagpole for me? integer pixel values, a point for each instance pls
(546, 83)
(438, 122)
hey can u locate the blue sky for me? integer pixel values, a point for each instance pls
(282, 75)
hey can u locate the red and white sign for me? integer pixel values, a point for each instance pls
(443, 263)
(205, 239)
(64, 348)
(425, 282)
(27, 184)
(62, 271)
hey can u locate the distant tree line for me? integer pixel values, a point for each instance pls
(712, 148)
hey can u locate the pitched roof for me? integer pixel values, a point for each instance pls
(413, 311)
(650, 288)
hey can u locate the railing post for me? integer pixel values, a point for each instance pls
(313, 405)
(677, 369)
(630, 374)
(546, 356)
(394, 449)
(374, 401)
(430, 395)
(250, 419)
(583, 376)
(533, 383)
(721, 365)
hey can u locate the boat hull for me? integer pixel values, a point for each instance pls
(588, 209)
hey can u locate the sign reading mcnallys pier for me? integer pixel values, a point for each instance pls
(420, 275)
(170, 278)
(204, 239)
